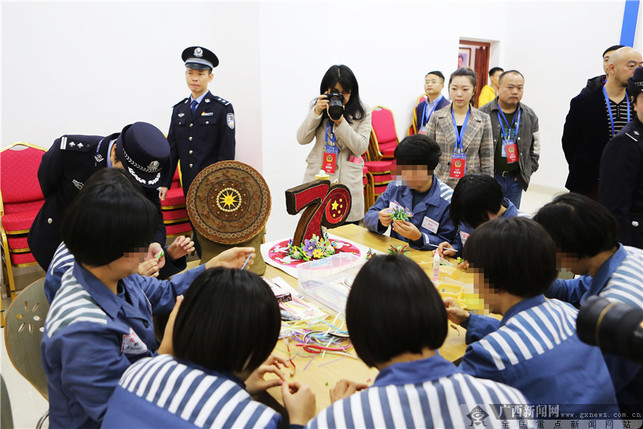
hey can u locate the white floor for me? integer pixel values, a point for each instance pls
(28, 405)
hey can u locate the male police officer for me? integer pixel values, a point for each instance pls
(621, 184)
(140, 149)
(202, 125)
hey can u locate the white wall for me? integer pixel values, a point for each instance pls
(86, 67)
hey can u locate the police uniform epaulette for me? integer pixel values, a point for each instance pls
(75, 143)
(182, 101)
(636, 137)
(222, 100)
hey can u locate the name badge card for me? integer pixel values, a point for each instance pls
(430, 224)
(458, 165)
(510, 149)
(329, 162)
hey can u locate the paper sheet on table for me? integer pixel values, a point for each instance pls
(292, 270)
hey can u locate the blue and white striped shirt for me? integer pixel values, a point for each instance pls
(430, 215)
(536, 350)
(164, 392)
(424, 393)
(620, 278)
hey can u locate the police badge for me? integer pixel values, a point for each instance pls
(230, 120)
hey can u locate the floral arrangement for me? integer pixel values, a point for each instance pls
(315, 248)
(369, 254)
(398, 249)
(401, 213)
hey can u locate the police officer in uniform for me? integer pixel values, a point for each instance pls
(621, 174)
(140, 149)
(202, 125)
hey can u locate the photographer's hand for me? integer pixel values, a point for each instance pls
(321, 104)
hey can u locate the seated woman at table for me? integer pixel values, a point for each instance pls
(100, 321)
(397, 321)
(417, 192)
(225, 329)
(476, 199)
(534, 348)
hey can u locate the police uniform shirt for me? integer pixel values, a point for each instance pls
(201, 138)
(93, 335)
(535, 349)
(430, 215)
(425, 393)
(165, 392)
(63, 171)
(621, 183)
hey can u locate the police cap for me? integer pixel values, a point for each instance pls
(199, 58)
(635, 83)
(144, 152)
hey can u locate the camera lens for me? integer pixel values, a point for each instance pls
(613, 326)
(335, 104)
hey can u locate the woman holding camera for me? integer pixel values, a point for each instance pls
(462, 131)
(341, 126)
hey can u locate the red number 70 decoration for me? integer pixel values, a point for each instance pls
(325, 205)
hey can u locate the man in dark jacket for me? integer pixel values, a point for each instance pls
(593, 119)
(599, 81)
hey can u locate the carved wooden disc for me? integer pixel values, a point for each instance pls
(228, 202)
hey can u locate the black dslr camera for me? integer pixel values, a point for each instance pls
(335, 104)
(613, 326)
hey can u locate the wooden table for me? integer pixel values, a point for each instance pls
(322, 378)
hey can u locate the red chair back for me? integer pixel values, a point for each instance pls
(19, 173)
(383, 125)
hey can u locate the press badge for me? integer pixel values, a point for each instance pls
(423, 131)
(329, 163)
(458, 164)
(430, 224)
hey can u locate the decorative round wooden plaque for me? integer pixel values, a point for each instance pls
(228, 202)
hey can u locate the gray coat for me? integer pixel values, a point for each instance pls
(352, 141)
(528, 140)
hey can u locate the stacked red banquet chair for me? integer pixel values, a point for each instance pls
(381, 149)
(175, 215)
(413, 128)
(20, 201)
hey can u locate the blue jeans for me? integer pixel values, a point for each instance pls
(511, 188)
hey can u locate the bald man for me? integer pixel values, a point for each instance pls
(594, 118)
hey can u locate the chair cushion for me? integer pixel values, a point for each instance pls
(17, 242)
(27, 206)
(22, 258)
(382, 179)
(379, 190)
(174, 215)
(178, 228)
(383, 125)
(174, 198)
(388, 149)
(20, 221)
(19, 174)
(379, 166)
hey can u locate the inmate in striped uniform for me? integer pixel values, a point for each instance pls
(426, 393)
(620, 279)
(163, 392)
(93, 335)
(430, 213)
(536, 350)
(64, 260)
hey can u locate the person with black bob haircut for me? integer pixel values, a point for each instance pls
(396, 321)
(586, 236)
(100, 321)
(339, 141)
(534, 348)
(476, 199)
(419, 193)
(224, 333)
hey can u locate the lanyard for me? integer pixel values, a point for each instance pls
(426, 114)
(609, 108)
(332, 134)
(458, 135)
(503, 121)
